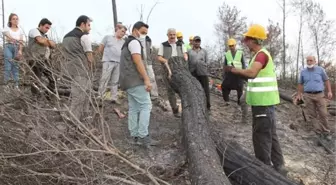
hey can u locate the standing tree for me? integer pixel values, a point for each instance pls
(299, 9)
(321, 30)
(273, 43)
(231, 25)
(282, 4)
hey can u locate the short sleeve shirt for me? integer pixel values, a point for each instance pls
(112, 48)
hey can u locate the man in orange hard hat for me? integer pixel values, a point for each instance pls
(262, 94)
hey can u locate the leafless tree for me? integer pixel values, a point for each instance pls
(274, 39)
(142, 11)
(231, 25)
(321, 29)
(299, 9)
(283, 6)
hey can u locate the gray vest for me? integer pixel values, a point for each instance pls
(129, 75)
(149, 51)
(35, 50)
(167, 50)
(77, 63)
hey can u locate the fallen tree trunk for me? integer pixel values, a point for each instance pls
(204, 157)
(243, 168)
(204, 163)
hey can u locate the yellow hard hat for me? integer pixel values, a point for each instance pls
(256, 31)
(231, 42)
(179, 34)
(191, 38)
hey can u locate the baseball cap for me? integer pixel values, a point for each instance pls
(197, 38)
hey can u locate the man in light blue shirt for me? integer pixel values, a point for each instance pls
(311, 88)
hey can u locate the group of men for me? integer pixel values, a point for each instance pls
(128, 62)
(136, 80)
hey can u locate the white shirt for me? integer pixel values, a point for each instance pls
(174, 50)
(33, 33)
(17, 35)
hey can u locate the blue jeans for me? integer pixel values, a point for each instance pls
(11, 67)
(139, 109)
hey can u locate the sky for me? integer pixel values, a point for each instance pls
(192, 17)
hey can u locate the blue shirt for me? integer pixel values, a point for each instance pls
(313, 79)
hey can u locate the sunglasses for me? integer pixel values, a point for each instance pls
(231, 46)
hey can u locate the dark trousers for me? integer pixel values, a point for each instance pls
(226, 92)
(41, 68)
(265, 140)
(204, 80)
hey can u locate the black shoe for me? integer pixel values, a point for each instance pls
(148, 141)
(135, 141)
(282, 170)
(176, 112)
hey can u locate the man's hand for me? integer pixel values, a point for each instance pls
(169, 71)
(228, 68)
(299, 96)
(19, 55)
(148, 85)
(52, 44)
(330, 95)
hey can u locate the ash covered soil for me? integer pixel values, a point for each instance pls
(306, 161)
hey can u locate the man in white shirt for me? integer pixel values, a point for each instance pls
(136, 82)
(39, 46)
(170, 49)
(111, 49)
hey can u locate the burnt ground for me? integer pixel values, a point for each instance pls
(306, 161)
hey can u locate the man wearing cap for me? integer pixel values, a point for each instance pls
(169, 49)
(198, 61)
(262, 94)
(78, 50)
(136, 82)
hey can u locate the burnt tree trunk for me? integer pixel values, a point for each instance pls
(203, 161)
(208, 154)
(243, 168)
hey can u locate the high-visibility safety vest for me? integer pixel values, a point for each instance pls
(236, 61)
(263, 90)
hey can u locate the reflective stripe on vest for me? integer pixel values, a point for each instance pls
(236, 61)
(263, 90)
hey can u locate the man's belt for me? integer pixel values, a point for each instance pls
(313, 92)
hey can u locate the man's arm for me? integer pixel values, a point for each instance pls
(184, 51)
(160, 55)
(252, 72)
(87, 47)
(243, 62)
(101, 47)
(325, 78)
(135, 49)
(41, 40)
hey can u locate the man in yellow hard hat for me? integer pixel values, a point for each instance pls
(179, 37)
(190, 45)
(234, 57)
(262, 94)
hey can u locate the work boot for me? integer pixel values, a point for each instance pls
(148, 141)
(176, 112)
(226, 104)
(282, 170)
(117, 102)
(135, 141)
